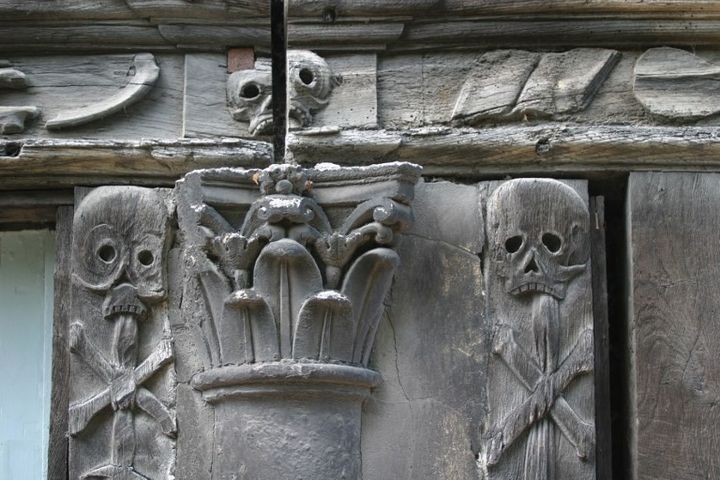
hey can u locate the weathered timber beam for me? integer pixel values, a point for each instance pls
(64, 163)
(507, 150)
(559, 31)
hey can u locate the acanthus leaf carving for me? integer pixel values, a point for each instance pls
(295, 265)
(285, 254)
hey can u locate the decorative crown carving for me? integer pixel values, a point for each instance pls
(295, 263)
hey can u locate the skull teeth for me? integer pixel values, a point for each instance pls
(532, 287)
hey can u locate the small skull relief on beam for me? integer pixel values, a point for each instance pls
(538, 244)
(121, 237)
(310, 83)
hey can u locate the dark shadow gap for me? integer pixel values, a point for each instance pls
(278, 48)
(613, 188)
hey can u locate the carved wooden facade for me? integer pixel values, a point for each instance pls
(421, 285)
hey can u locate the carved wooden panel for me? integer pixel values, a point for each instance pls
(487, 368)
(121, 418)
(242, 345)
(674, 327)
(540, 386)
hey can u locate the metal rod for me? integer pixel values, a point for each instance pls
(278, 47)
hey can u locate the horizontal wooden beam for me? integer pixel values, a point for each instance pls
(64, 163)
(518, 150)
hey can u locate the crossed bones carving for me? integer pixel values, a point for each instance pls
(546, 394)
(123, 392)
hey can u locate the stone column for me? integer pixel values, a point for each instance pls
(294, 265)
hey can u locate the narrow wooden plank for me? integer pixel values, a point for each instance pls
(58, 444)
(675, 328)
(603, 431)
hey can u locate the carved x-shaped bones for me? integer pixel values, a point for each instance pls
(120, 384)
(546, 396)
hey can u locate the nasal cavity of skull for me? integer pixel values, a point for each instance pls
(513, 244)
(306, 76)
(145, 257)
(249, 90)
(552, 242)
(106, 253)
(532, 266)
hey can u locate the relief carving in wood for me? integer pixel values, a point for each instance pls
(13, 119)
(120, 417)
(540, 390)
(673, 84)
(310, 84)
(293, 266)
(512, 84)
(143, 74)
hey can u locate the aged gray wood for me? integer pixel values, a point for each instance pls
(31, 209)
(674, 327)
(205, 103)
(675, 84)
(63, 163)
(120, 340)
(520, 84)
(144, 73)
(13, 119)
(59, 84)
(540, 324)
(543, 148)
(58, 443)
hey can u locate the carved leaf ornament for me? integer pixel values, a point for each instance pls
(300, 288)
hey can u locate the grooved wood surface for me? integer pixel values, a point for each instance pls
(675, 326)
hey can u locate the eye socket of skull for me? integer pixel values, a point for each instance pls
(514, 243)
(104, 246)
(247, 91)
(310, 74)
(552, 241)
(146, 264)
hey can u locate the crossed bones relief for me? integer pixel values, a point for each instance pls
(124, 379)
(121, 234)
(545, 388)
(538, 232)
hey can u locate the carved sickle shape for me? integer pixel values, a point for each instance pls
(146, 74)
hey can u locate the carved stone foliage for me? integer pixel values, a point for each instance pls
(13, 119)
(540, 389)
(310, 83)
(674, 84)
(292, 266)
(121, 419)
(511, 84)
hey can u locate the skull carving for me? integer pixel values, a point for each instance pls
(538, 234)
(121, 234)
(310, 83)
(250, 95)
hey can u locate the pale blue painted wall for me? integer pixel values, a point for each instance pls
(26, 302)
